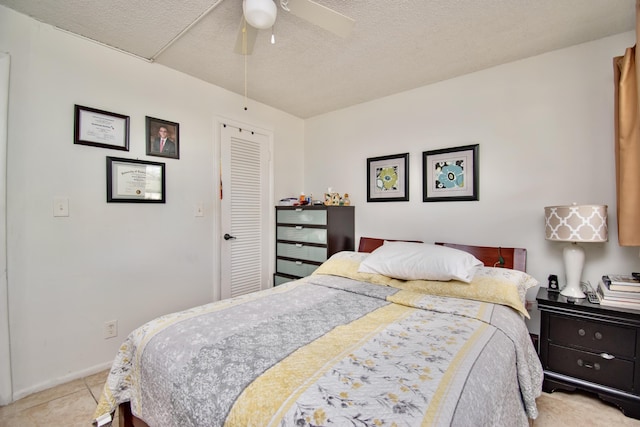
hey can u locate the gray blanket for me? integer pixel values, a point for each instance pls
(327, 350)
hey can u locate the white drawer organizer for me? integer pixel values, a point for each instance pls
(307, 235)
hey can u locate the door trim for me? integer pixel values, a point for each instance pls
(6, 384)
(217, 205)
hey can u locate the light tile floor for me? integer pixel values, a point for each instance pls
(72, 405)
(67, 405)
(578, 409)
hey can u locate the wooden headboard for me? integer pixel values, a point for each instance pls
(515, 258)
(369, 244)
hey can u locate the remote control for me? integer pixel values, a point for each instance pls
(592, 297)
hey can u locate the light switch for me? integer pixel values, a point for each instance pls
(199, 209)
(60, 206)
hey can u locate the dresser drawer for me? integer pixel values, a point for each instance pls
(616, 373)
(302, 234)
(302, 216)
(295, 268)
(301, 251)
(279, 280)
(594, 336)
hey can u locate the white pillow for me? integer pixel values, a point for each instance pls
(420, 261)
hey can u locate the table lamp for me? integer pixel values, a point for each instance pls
(575, 224)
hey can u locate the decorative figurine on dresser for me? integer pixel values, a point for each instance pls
(306, 236)
(590, 347)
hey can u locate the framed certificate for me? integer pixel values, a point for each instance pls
(100, 128)
(135, 181)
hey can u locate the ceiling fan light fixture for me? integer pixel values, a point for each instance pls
(260, 14)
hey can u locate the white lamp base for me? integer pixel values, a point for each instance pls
(573, 263)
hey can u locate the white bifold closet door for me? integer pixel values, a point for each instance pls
(245, 208)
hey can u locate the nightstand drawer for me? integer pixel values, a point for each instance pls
(594, 336)
(302, 216)
(300, 251)
(302, 234)
(617, 373)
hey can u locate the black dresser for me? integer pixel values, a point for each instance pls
(591, 347)
(307, 235)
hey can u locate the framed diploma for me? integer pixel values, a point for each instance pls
(135, 181)
(100, 128)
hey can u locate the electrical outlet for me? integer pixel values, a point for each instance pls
(60, 206)
(110, 329)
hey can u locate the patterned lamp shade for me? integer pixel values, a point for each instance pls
(576, 223)
(583, 223)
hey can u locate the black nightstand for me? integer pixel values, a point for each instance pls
(591, 347)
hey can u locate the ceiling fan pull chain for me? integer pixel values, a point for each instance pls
(244, 48)
(245, 82)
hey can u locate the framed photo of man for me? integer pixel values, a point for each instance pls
(163, 138)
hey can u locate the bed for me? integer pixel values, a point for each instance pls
(344, 346)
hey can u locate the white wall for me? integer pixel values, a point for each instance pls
(129, 262)
(545, 129)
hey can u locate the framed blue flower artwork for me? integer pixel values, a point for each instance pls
(450, 174)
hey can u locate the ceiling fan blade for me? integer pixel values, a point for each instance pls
(321, 16)
(244, 44)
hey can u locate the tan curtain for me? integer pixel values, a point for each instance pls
(627, 143)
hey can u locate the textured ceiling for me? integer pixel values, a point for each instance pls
(394, 46)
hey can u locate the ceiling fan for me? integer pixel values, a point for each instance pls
(261, 14)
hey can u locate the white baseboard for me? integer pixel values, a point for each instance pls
(19, 394)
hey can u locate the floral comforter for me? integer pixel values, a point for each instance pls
(329, 350)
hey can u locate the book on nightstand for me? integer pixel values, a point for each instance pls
(622, 282)
(613, 298)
